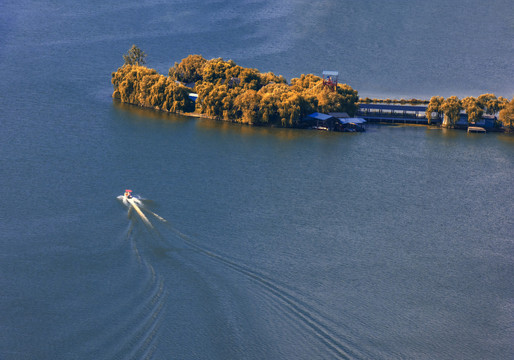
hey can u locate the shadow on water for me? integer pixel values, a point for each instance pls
(245, 130)
(506, 138)
(152, 116)
(139, 114)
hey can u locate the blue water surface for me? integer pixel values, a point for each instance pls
(275, 243)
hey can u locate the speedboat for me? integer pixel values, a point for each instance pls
(134, 203)
(127, 195)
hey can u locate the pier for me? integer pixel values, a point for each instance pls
(476, 129)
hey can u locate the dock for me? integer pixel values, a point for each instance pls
(476, 129)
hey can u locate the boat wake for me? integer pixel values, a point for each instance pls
(137, 204)
(130, 327)
(335, 339)
(319, 325)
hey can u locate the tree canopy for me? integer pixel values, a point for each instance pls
(507, 116)
(451, 108)
(188, 70)
(232, 92)
(135, 56)
(434, 106)
(141, 86)
(473, 109)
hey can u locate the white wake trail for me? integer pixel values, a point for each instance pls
(138, 210)
(156, 215)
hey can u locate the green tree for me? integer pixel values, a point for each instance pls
(451, 108)
(135, 56)
(473, 109)
(434, 106)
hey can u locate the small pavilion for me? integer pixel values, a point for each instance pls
(330, 79)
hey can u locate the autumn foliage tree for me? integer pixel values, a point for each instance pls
(138, 85)
(451, 108)
(188, 70)
(472, 107)
(231, 92)
(434, 106)
(227, 90)
(507, 116)
(490, 103)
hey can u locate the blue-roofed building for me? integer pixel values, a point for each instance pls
(394, 107)
(322, 121)
(359, 121)
(486, 122)
(320, 116)
(351, 124)
(330, 79)
(395, 113)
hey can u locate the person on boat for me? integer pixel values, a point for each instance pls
(128, 194)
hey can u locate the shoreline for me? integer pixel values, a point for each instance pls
(224, 91)
(398, 123)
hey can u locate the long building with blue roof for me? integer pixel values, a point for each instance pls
(413, 114)
(395, 113)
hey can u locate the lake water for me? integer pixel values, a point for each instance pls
(279, 244)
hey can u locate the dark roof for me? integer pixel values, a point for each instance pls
(352, 121)
(339, 115)
(393, 107)
(319, 116)
(330, 73)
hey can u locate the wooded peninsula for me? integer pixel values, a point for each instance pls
(226, 91)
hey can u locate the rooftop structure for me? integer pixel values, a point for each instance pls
(330, 79)
(322, 121)
(395, 113)
(393, 107)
